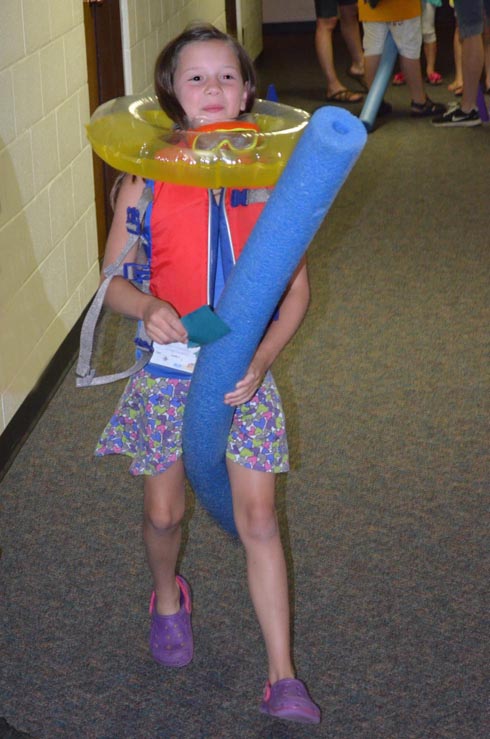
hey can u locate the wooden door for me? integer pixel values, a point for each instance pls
(105, 81)
(233, 11)
(231, 17)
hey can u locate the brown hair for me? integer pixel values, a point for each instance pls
(167, 62)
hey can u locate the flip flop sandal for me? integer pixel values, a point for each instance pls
(456, 90)
(398, 79)
(345, 96)
(434, 78)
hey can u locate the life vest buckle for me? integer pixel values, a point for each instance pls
(135, 272)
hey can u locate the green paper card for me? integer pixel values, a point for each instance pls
(203, 326)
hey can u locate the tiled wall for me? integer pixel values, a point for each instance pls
(48, 244)
(48, 249)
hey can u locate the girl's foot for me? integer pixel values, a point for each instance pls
(359, 77)
(434, 78)
(288, 699)
(456, 88)
(426, 109)
(171, 641)
(345, 96)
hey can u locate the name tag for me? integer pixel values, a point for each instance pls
(177, 356)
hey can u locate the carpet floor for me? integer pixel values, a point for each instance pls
(384, 514)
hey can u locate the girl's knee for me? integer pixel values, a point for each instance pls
(164, 501)
(257, 522)
(253, 503)
(326, 24)
(164, 518)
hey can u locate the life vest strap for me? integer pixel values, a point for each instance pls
(249, 196)
(86, 374)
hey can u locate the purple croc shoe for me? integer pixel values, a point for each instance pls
(288, 699)
(171, 642)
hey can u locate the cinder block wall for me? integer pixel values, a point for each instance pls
(149, 24)
(48, 249)
(48, 244)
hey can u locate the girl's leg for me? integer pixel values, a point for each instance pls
(457, 84)
(324, 51)
(256, 521)
(164, 506)
(371, 64)
(429, 38)
(430, 52)
(413, 73)
(472, 62)
(351, 32)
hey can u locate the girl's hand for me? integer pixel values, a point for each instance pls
(246, 388)
(162, 323)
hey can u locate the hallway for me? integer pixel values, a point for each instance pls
(386, 390)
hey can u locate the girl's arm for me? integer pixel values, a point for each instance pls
(291, 313)
(161, 321)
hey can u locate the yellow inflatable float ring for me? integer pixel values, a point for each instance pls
(134, 135)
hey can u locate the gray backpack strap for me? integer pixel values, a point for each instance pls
(86, 375)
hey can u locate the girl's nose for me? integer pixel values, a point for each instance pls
(213, 86)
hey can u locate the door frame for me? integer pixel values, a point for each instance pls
(233, 13)
(103, 43)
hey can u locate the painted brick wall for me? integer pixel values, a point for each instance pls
(48, 244)
(149, 24)
(48, 248)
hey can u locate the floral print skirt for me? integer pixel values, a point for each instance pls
(147, 426)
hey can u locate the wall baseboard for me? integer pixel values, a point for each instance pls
(31, 410)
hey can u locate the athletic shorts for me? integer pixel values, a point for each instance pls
(330, 8)
(470, 16)
(147, 426)
(407, 36)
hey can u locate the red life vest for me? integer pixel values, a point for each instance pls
(185, 224)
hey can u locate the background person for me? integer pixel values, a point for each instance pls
(327, 16)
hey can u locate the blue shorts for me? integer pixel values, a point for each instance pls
(330, 8)
(470, 15)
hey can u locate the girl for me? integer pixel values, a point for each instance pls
(204, 76)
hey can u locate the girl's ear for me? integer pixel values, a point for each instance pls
(246, 90)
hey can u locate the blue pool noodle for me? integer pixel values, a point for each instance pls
(381, 81)
(319, 165)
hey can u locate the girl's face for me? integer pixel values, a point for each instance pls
(208, 82)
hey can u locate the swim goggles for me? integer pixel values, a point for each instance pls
(231, 135)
